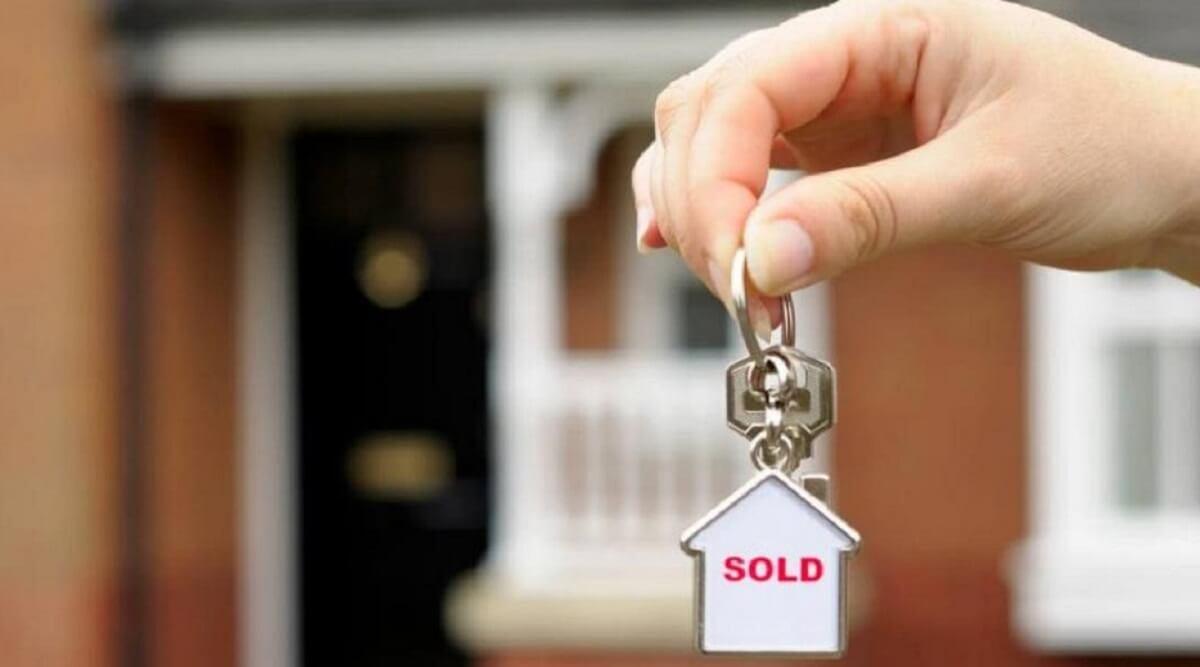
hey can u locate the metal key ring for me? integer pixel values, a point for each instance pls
(775, 363)
(773, 421)
(741, 309)
(762, 458)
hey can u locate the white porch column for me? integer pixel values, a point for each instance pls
(526, 307)
(542, 150)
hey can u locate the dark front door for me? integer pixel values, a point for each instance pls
(391, 263)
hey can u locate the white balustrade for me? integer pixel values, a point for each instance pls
(633, 448)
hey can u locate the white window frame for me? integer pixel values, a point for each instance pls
(1092, 576)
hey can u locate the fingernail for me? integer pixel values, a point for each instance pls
(645, 217)
(779, 254)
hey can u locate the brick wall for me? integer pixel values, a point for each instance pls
(191, 466)
(57, 337)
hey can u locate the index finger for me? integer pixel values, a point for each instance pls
(781, 83)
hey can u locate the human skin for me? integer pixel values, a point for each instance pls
(922, 121)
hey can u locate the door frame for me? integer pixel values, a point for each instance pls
(268, 461)
(268, 433)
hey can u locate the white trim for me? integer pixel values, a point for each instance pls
(1126, 591)
(267, 597)
(393, 56)
(1065, 393)
(1093, 576)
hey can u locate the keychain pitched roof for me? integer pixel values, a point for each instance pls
(771, 571)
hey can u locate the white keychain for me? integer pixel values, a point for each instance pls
(771, 559)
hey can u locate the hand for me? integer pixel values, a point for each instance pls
(922, 121)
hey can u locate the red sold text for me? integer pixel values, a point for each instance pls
(762, 568)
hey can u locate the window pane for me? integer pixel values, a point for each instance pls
(705, 322)
(1137, 432)
(1179, 425)
(1139, 277)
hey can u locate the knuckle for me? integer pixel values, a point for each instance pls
(724, 78)
(748, 41)
(733, 67)
(669, 103)
(683, 238)
(688, 241)
(724, 72)
(870, 212)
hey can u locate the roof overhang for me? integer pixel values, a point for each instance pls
(305, 58)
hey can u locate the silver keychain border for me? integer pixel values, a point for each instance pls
(699, 558)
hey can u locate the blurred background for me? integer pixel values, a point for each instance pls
(323, 341)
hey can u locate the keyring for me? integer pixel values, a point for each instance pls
(741, 308)
(764, 458)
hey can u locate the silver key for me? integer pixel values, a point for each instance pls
(809, 405)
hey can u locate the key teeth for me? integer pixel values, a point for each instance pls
(802, 440)
(818, 485)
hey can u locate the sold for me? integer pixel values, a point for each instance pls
(760, 568)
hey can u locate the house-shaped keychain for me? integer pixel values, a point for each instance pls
(771, 571)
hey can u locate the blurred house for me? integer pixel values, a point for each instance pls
(326, 342)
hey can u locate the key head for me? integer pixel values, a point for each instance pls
(809, 406)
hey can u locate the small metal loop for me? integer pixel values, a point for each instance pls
(773, 421)
(788, 326)
(801, 442)
(764, 456)
(777, 365)
(741, 307)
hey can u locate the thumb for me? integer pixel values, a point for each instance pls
(826, 223)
